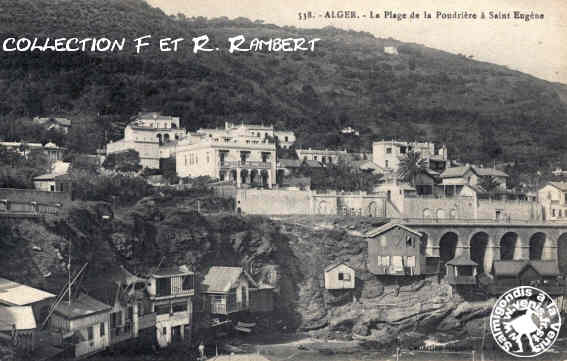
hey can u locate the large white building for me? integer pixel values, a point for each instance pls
(286, 138)
(321, 155)
(387, 154)
(239, 157)
(147, 134)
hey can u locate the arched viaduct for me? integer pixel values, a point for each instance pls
(489, 242)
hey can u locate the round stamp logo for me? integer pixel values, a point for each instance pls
(525, 321)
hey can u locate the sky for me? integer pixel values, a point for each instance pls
(534, 47)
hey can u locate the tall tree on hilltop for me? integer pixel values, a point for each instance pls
(411, 165)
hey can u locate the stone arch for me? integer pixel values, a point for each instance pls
(159, 138)
(508, 245)
(447, 248)
(537, 245)
(427, 213)
(441, 214)
(479, 251)
(562, 253)
(323, 207)
(280, 175)
(166, 138)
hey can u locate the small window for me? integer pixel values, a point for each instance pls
(553, 212)
(162, 309)
(402, 150)
(388, 150)
(90, 333)
(387, 164)
(341, 276)
(164, 331)
(409, 242)
(102, 330)
(179, 307)
(218, 299)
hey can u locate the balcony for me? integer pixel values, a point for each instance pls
(246, 164)
(224, 309)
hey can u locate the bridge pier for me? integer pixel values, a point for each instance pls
(549, 253)
(521, 251)
(492, 254)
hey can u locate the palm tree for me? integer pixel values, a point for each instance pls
(411, 165)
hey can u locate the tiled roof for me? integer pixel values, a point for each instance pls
(21, 317)
(220, 279)
(13, 293)
(172, 271)
(514, 267)
(455, 172)
(377, 231)
(82, 306)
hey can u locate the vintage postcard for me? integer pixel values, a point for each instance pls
(284, 180)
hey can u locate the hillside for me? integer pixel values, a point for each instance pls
(481, 111)
(289, 253)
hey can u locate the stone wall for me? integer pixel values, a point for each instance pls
(280, 202)
(456, 208)
(513, 210)
(32, 195)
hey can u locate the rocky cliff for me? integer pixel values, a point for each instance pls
(288, 253)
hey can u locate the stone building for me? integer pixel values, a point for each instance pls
(237, 158)
(321, 155)
(147, 133)
(387, 154)
(286, 138)
(553, 198)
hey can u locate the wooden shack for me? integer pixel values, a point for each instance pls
(339, 276)
(83, 324)
(226, 290)
(262, 298)
(544, 275)
(461, 270)
(397, 250)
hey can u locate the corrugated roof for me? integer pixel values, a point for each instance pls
(221, 279)
(81, 306)
(514, 267)
(462, 260)
(17, 294)
(389, 226)
(22, 317)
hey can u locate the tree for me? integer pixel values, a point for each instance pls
(411, 165)
(489, 184)
(126, 161)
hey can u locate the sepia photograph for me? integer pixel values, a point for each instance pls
(212, 180)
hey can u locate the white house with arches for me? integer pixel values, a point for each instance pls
(147, 133)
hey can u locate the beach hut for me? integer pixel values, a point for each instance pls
(339, 276)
